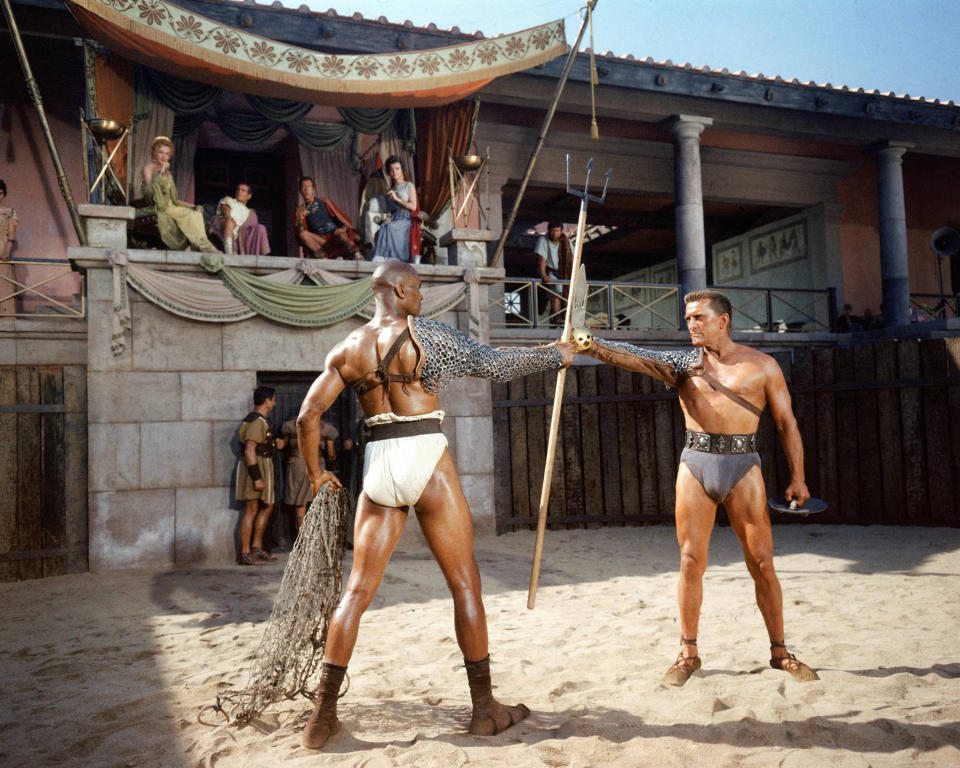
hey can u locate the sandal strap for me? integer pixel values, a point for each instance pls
(775, 644)
(687, 640)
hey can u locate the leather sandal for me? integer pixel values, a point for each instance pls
(790, 663)
(262, 554)
(680, 671)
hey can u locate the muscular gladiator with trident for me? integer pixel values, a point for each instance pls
(396, 364)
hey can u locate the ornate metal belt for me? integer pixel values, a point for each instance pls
(709, 442)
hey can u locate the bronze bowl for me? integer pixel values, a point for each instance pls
(105, 130)
(469, 162)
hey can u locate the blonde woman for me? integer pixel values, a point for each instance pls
(180, 224)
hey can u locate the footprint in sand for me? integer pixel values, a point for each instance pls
(552, 756)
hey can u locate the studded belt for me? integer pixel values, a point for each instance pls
(709, 442)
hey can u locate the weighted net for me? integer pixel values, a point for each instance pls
(292, 645)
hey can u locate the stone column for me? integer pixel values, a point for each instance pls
(688, 192)
(894, 264)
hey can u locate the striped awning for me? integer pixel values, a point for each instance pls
(167, 37)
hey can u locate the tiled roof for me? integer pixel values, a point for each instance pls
(761, 78)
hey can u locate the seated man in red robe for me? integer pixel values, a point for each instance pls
(323, 230)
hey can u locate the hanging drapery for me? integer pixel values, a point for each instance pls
(151, 118)
(240, 296)
(165, 36)
(437, 129)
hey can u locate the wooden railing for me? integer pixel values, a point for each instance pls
(41, 288)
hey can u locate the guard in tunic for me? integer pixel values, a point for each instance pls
(255, 481)
(723, 387)
(397, 363)
(297, 493)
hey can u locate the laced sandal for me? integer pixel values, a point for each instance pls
(680, 671)
(248, 558)
(262, 554)
(790, 663)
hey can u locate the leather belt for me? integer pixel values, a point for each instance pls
(395, 429)
(710, 442)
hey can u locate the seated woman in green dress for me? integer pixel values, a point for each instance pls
(179, 224)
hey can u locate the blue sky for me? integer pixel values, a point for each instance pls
(905, 46)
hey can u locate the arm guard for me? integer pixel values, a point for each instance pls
(671, 366)
(450, 354)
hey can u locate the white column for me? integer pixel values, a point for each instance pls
(894, 262)
(688, 192)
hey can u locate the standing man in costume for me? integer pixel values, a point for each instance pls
(255, 486)
(554, 260)
(723, 387)
(396, 364)
(321, 226)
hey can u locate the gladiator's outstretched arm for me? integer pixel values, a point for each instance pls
(671, 366)
(449, 354)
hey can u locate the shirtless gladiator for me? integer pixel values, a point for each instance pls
(396, 364)
(723, 387)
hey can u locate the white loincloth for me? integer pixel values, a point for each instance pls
(396, 471)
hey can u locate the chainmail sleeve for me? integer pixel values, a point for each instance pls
(450, 354)
(671, 366)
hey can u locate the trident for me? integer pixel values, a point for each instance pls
(575, 270)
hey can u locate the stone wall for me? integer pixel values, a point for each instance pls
(163, 415)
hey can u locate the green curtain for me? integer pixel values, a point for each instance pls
(279, 110)
(244, 127)
(305, 306)
(370, 121)
(320, 137)
(182, 96)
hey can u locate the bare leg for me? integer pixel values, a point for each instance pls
(229, 225)
(313, 243)
(342, 237)
(448, 528)
(696, 513)
(375, 535)
(747, 508)
(246, 524)
(260, 525)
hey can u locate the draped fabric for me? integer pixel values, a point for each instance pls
(152, 118)
(321, 137)
(437, 129)
(240, 296)
(370, 121)
(279, 110)
(184, 152)
(114, 100)
(297, 305)
(164, 35)
(332, 177)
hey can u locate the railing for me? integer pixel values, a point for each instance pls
(933, 306)
(530, 303)
(41, 288)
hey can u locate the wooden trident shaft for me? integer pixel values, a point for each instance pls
(561, 375)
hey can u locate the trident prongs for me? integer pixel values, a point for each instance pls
(584, 195)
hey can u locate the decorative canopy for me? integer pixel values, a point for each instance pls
(167, 37)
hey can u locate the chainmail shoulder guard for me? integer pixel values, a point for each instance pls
(683, 362)
(450, 354)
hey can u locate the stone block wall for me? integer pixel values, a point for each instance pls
(163, 415)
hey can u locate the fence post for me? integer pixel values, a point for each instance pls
(769, 294)
(832, 307)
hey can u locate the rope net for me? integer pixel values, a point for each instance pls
(292, 645)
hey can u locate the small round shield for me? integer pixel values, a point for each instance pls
(780, 504)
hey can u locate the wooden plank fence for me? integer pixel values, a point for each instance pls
(42, 430)
(880, 425)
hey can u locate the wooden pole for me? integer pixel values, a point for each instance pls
(555, 416)
(34, 92)
(571, 57)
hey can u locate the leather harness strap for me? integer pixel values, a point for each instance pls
(723, 390)
(379, 377)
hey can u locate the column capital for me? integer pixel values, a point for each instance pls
(893, 151)
(687, 126)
